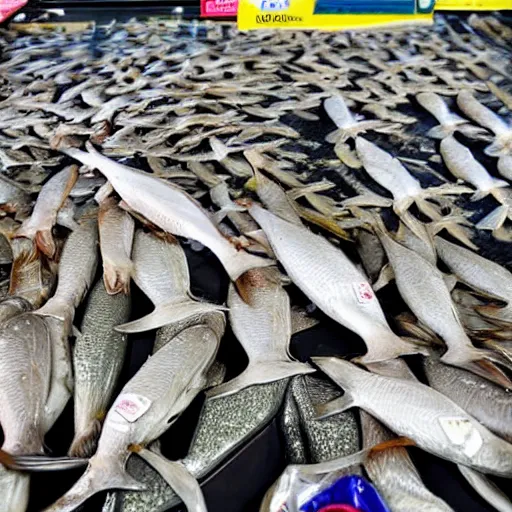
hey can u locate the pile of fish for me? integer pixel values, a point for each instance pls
(323, 166)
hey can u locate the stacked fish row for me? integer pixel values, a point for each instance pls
(183, 113)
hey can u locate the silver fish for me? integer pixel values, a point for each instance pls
(333, 283)
(169, 208)
(98, 357)
(449, 433)
(145, 408)
(261, 321)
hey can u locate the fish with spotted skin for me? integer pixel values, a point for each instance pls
(98, 357)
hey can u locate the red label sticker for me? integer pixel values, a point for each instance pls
(364, 292)
(215, 8)
(131, 406)
(9, 7)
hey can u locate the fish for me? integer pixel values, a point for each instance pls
(463, 165)
(431, 302)
(480, 274)
(448, 121)
(169, 208)
(262, 323)
(145, 408)
(51, 198)
(116, 229)
(161, 272)
(333, 283)
(224, 425)
(450, 433)
(486, 118)
(489, 404)
(26, 363)
(98, 357)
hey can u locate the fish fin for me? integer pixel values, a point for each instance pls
(334, 136)
(397, 442)
(495, 219)
(496, 148)
(300, 320)
(219, 215)
(427, 208)
(441, 131)
(486, 488)
(498, 313)
(104, 192)
(448, 189)
(40, 463)
(179, 479)
(215, 375)
(369, 199)
(117, 277)
(335, 406)
(479, 194)
(480, 362)
(101, 475)
(386, 275)
(84, 443)
(167, 314)
(45, 243)
(220, 150)
(454, 226)
(243, 261)
(390, 347)
(261, 372)
(418, 331)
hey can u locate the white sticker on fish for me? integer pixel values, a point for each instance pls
(461, 432)
(364, 292)
(131, 406)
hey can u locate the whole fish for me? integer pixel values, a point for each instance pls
(224, 425)
(25, 383)
(261, 321)
(333, 283)
(161, 272)
(145, 408)
(116, 229)
(488, 119)
(480, 274)
(51, 198)
(463, 165)
(489, 404)
(169, 208)
(432, 421)
(98, 357)
(431, 302)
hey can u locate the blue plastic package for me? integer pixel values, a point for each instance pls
(349, 490)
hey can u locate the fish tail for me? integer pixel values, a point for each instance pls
(390, 346)
(242, 261)
(57, 308)
(14, 490)
(496, 313)
(441, 131)
(170, 313)
(500, 146)
(45, 243)
(84, 443)
(456, 227)
(117, 276)
(102, 474)
(178, 477)
(498, 348)
(480, 362)
(260, 372)
(495, 219)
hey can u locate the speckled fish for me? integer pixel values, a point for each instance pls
(489, 404)
(333, 283)
(448, 121)
(435, 423)
(463, 165)
(480, 274)
(53, 195)
(423, 289)
(76, 272)
(488, 119)
(169, 208)
(145, 408)
(224, 425)
(25, 383)
(262, 323)
(98, 357)
(161, 272)
(116, 228)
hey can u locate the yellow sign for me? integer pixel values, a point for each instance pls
(332, 14)
(472, 5)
